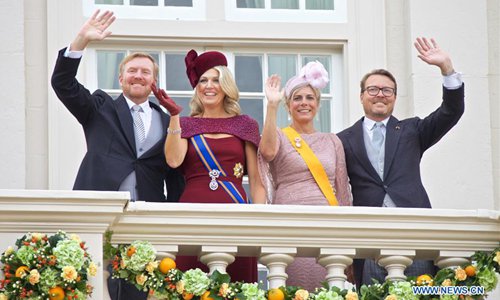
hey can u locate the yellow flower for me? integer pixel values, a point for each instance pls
(152, 266)
(179, 286)
(223, 289)
(9, 251)
(75, 237)
(3, 297)
(446, 282)
(391, 297)
(34, 277)
(301, 295)
(460, 274)
(497, 258)
(141, 279)
(69, 274)
(351, 296)
(92, 270)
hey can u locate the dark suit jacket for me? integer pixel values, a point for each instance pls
(405, 144)
(109, 134)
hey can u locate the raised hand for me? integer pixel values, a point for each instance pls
(94, 29)
(273, 90)
(166, 101)
(433, 55)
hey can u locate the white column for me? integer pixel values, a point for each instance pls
(163, 251)
(276, 260)
(336, 261)
(218, 257)
(395, 262)
(450, 259)
(105, 276)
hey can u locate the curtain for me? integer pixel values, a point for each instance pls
(119, 2)
(186, 3)
(249, 3)
(285, 4)
(286, 67)
(319, 4)
(144, 2)
(107, 69)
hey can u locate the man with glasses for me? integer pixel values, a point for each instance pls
(383, 153)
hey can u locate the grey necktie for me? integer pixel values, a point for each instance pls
(139, 129)
(378, 136)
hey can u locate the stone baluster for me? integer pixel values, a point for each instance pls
(451, 259)
(276, 260)
(336, 261)
(163, 251)
(395, 262)
(218, 257)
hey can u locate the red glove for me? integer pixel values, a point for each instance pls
(166, 101)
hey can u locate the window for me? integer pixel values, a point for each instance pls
(329, 11)
(250, 70)
(150, 9)
(186, 3)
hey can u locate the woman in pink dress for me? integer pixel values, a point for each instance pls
(214, 147)
(283, 165)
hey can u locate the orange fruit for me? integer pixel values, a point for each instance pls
(275, 294)
(21, 271)
(56, 293)
(424, 280)
(187, 296)
(130, 251)
(166, 265)
(470, 270)
(206, 295)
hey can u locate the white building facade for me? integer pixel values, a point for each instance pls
(43, 144)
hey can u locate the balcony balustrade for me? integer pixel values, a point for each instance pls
(276, 234)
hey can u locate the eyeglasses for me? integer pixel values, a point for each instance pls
(386, 91)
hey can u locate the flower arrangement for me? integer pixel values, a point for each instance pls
(53, 267)
(137, 264)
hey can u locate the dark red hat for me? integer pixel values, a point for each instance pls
(197, 65)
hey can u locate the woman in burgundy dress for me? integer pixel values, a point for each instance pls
(214, 147)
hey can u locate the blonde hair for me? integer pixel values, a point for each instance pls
(317, 94)
(135, 55)
(228, 85)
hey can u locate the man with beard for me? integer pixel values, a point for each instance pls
(125, 136)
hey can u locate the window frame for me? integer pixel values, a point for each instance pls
(300, 15)
(161, 12)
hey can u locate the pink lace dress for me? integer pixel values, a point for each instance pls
(289, 181)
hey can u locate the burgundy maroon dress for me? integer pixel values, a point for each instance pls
(229, 151)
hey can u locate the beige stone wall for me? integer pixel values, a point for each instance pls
(12, 95)
(493, 7)
(46, 144)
